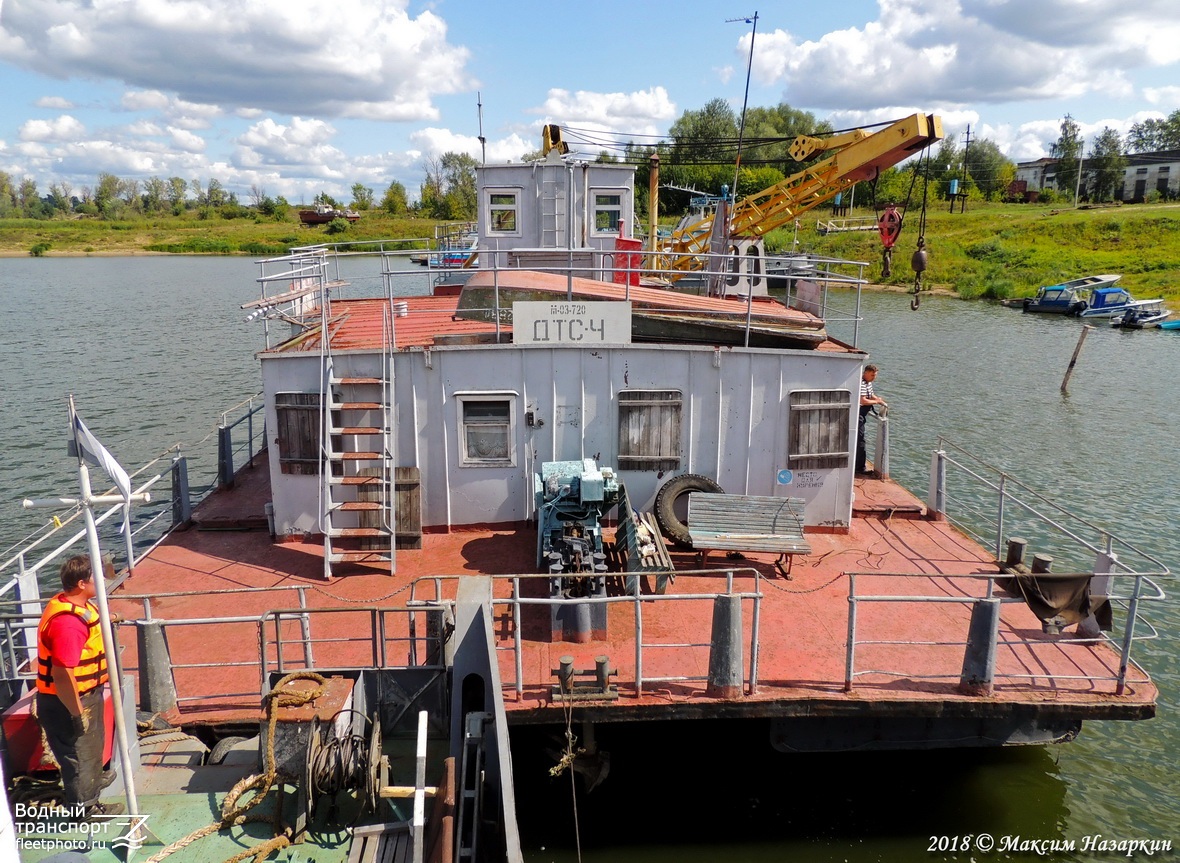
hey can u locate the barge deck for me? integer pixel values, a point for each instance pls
(909, 654)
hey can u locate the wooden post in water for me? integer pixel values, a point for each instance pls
(1073, 361)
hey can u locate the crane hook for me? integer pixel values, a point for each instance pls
(918, 263)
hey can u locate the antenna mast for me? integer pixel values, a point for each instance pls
(753, 19)
(483, 142)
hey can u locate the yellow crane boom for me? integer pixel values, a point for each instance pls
(858, 155)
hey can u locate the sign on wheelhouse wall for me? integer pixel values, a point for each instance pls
(571, 322)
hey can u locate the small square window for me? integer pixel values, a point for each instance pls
(503, 213)
(819, 429)
(486, 431)
(649, 429)
(298, 416)
(608, 212)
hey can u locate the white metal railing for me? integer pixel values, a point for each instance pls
(651, 603)
(30, 562)
(1141, 589)
(990, 505)
(605, 265)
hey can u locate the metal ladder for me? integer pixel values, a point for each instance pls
(553, 208)
(470, 796)
(356, 472)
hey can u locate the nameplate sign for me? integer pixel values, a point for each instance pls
(571, 323)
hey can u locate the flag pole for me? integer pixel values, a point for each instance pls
(104, 618)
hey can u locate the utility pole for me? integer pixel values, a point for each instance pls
(1081, 161)
(961, 194)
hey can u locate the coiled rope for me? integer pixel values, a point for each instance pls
(233, 814)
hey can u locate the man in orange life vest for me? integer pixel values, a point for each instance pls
(71, 677)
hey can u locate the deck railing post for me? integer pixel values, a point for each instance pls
(225, 456)
(305, 627)
(850, 644)
(182, 507)
(1000, 515)
(263, 664)
(754, 629)
(638, 647)
(936, 503)
(516, 638)
(1129, 636)
(881, 454)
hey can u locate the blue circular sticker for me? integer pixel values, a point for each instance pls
(785, 477)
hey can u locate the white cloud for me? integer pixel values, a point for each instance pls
(348, 58)
(63, 128)
(937, 53)
(176, 112)
(432, 142)
(181, 139)
(56, 103)
(1166, 96)
(643, 112)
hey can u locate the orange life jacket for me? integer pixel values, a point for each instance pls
(91, 670)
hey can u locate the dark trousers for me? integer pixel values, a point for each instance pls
(861, 456)
(79, 757)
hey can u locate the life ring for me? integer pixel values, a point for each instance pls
(666, 517)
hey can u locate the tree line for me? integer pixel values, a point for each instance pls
(698, 157)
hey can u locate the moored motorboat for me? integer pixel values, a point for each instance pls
(1141, 318)
(322, 214)
(1067, 298)
(1107, 302)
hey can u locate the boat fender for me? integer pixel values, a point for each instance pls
(666, 517)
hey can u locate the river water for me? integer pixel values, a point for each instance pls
(155, 348)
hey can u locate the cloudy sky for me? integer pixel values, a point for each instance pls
(302, 96)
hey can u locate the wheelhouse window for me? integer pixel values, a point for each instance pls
(298, 432)
(486, 430)
(503, 212)
(608, 212)
(818, 428)
(649, 429)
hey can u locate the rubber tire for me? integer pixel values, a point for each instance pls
(221, 749)
(666, 498)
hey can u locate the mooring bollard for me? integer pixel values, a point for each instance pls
(725, 654)
(979, 660)
(157, 689)
(1016, 549)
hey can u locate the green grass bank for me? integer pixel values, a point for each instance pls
(991, 251)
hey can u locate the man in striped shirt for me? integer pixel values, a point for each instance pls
(868, 400)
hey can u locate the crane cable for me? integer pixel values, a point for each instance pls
(919, 259)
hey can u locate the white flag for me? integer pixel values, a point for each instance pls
(89, 448)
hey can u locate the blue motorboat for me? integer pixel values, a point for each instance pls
(1108, 302)
(1067, 298)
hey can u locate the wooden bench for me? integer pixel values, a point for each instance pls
(743, 522)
